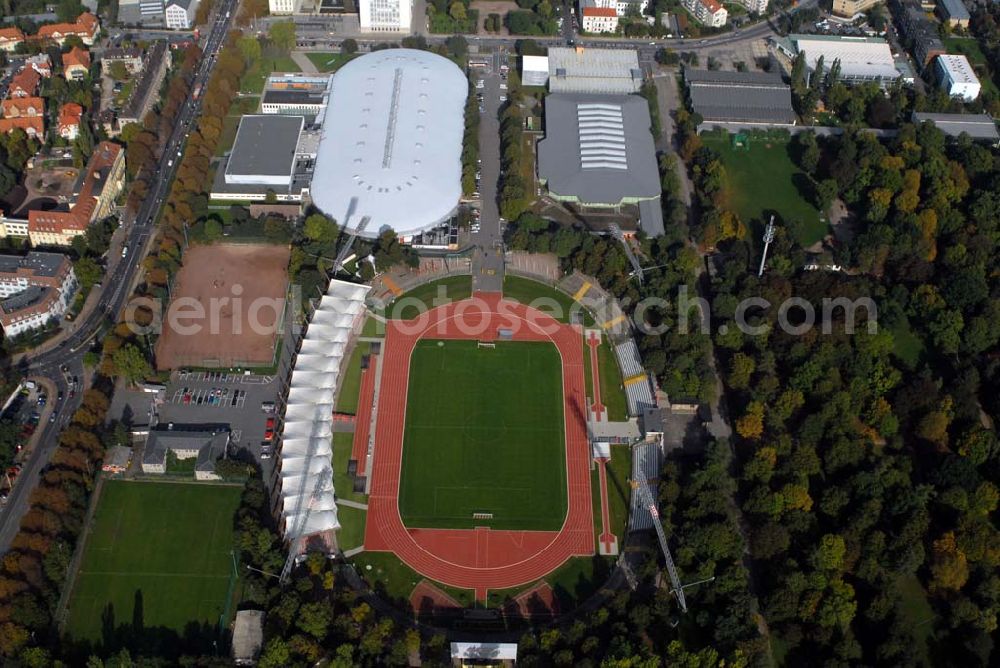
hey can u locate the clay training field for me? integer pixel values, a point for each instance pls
(241, 291)
(484, 434)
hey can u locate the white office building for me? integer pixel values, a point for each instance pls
(958, 78)
(385, 15)
(179, 14)
(284, 7)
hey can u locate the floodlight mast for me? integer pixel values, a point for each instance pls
(646, 499)
(768, 238)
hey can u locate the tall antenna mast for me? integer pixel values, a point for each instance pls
(768, 238)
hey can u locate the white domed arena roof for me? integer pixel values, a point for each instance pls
(391, 144)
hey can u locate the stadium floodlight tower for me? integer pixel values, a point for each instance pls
(646, 499)
(768, 238)
(302, 521)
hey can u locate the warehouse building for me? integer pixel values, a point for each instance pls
(601, 154)
(747, 98)
(390, 152)
(862, 59)
(980, 127)
(271, 154)
(957, 77)
(599, 71)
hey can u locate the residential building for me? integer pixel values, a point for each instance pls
(43, 270)
(24, 83)
(86, 27)
(580, 70)
(957, 77)
(385, 15)
(131, 58)
(100, 184)
(205, 443)
(851, 8)
(284, 7)
(597, 19)
(980, 127)
(146, 91)
(756, 6)
(179, 14)
(70, 116)
(954, 13)
(76, 64)
(34, 290)
(10, 38)
(117, 459)
(34, 126)
(747, 99)
(710, 13)
(13, 227)
(920, 33)
(40, 63)
(22, 107)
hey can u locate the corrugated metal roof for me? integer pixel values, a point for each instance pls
(580, 70)
(977, 126)
(740, 96)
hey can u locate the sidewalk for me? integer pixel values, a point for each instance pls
(307, 66)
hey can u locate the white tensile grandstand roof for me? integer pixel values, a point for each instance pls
(308, 418)
(391, 145)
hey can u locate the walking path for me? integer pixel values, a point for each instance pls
(307, 66)
(352, 504)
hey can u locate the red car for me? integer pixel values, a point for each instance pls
(270, 423)
(269, 435)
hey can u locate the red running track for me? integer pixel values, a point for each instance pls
(479, 559)
(593, 341)
(363, 421)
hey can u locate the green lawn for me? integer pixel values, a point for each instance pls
(484, 434)
(618, 470)
(352, 527)
(342, 481)
(906, 345)
(969, 47)
(764, 180)
(545, 298)
(423, 297)
(916, 611)
(612, 392)
(166, 545)
(350, 382)
(329, 62)
(254, 79)
(392, 578)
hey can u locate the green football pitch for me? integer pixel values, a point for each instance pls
(484, 434)
(166, 545)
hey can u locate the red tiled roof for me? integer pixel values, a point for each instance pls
(609, 12)
(22, 106)
(37, 123)
(11, 35)
(78, 217)
(27, 80)
(69, 115)
(76, 56)
(712, 5)
(86, 24)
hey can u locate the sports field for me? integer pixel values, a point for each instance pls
(166, 544)
(484, 434)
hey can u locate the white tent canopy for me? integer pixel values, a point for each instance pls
(308, 419)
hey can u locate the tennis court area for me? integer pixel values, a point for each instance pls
(484, 440)
(164, 545)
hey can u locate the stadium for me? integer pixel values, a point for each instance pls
(391, 142)
(484, 453)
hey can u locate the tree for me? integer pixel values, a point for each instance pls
(130, 364)
(250, 48)
(349, 46)
(118, 71)
(457, 11)
(87, 272)
(282, 35)
(213, 229)
(68, 10)
(457, 45)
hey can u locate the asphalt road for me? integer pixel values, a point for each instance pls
(117, 286)
(487, 260)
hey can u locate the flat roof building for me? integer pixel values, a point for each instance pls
(600, 152)
(954, 13)
(958, 78)
(390, 149)
(264, 151)
(980, 127)
(205, 443)
(751, 98)
(534, 70)
(861, 59)
(599, 71)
